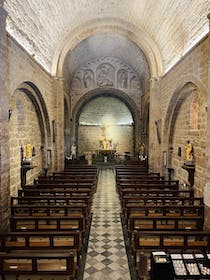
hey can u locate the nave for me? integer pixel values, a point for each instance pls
(106, 256)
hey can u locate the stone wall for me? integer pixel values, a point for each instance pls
(24, 129)
(175, 116)
(183, 132)
(89, 137)
(23, 68)
(4, 133)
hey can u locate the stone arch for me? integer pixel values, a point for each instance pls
(29, 122)
(175, 103)
(177, 131)
(136, 35)
(113, 93)
(34, 94)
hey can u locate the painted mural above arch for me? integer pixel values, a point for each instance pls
(106, 72)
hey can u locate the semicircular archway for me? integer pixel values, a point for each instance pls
(122, 98)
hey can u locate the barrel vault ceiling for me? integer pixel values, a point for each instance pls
(173, 25)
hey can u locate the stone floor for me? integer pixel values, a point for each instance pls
(106, 256)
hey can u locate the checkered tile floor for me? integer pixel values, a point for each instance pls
(106, 256)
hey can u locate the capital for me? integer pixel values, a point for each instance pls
(58, 78)
(153, 82)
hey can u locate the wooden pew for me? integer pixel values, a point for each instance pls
(122, 180)
(78, 166)
(46, 223)
(153, 193)
(147, 187)
(38, 263)
(41, 240)
(165, 223)
(53, 185)
(136, 211)
(137, 183)
(65, 175)
(129, 165)
(50, 241)
(56, 192)
(73, 181)
(169, 240)
(49, 210)
(136, 162)
(137, 174)
(163, 200)
(160, 200)
(46, 219)
(172, 241)
(51, 200)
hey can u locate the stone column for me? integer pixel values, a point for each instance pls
(207, 186)
(58, 141)
(4, 125)
(155, 126)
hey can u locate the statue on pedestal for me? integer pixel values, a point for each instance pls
(189, 154)
(28, 151)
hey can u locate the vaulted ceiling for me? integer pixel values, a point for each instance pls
(43, 27)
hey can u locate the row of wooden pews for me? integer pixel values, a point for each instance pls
(157, 214)
(49, 224)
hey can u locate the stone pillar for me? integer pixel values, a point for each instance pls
(207, 186)
(155, 126)
(58, 137)
(4, 125)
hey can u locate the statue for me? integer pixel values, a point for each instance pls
(122, 78)
(106, 144)
(142, 153)
(142, 149)
(28, 151)
(188, 153)
(73, 151)
(88, 79)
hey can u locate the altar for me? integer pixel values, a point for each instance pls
(106, 155)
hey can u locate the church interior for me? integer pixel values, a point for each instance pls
(104, 139)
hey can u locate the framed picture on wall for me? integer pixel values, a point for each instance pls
(53, 131)
(49, 157)
(164, 158)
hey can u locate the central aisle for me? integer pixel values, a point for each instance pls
(106, 256)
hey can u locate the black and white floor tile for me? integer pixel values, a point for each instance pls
(106, 256)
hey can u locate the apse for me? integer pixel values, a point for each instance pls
(105, 123)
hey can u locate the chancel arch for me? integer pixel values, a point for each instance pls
(131, 119)
(107, 127)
